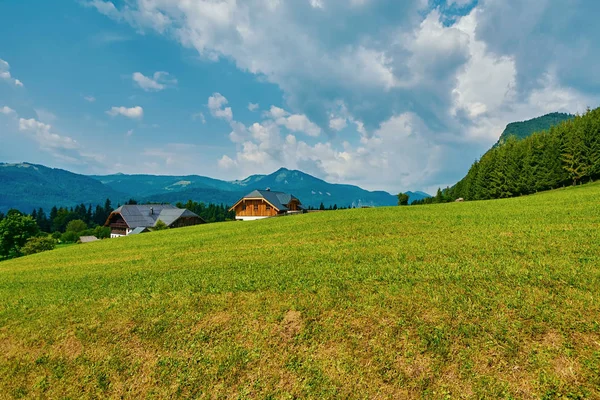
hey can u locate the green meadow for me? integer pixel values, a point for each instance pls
(489, 299)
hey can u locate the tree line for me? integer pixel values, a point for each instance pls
(566, 154)
(209, 213)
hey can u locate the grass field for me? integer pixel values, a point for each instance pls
(495, 299)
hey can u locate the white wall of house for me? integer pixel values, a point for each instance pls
(116, 235)
(249, 218)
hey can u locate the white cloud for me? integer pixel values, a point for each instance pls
(159, 81)
(89, 99)
(300, 123)
(216, 105)
(226, 162)
(253, 106)
(316, 3)
(401, 153)
(129, 133)
(5, 74)
(337, 123)
(275, 40)
(133, 112)
(418, 94)
(7, 110)
(293, 122)
(47, 140)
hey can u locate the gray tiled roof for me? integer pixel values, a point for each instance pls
(138, 230)
(146, 215)
(169, 216)
(278, 199)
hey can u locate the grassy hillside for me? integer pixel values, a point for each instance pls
(491, 299)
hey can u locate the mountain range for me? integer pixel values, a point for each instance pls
(26, 186)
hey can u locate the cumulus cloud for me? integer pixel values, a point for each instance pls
(337, 123)
(280, 42)
(5, 74)
(293, 122)
(416, 95)
(559, 39)
(401, 151)
(253, 106)
(136, 112)
(160, 80)
(216, 105)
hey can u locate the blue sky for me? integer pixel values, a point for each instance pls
(380, 93)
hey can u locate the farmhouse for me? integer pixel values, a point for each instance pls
(264, 204)
(134, 218)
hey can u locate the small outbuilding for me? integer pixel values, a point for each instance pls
(88, 239)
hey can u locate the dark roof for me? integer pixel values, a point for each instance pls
(146, 215)
(279, 200)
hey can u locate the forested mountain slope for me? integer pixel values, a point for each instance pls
(28, 186)
(566, 154)
(523, 129)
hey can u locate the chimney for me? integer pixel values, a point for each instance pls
(151, 210)
(268, 189)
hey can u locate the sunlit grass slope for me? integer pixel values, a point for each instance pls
(496, 299)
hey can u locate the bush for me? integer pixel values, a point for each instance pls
(38, 244)
(159, 226)
(69, 237)
(102, 232)
(76, 226)
(56, 235)
(15, 230)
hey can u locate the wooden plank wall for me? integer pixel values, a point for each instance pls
(260, 211)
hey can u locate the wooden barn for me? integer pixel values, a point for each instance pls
(129, 219)
(264, 204)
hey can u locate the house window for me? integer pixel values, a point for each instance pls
(256, 207)
(268, 207)
(243, 206)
